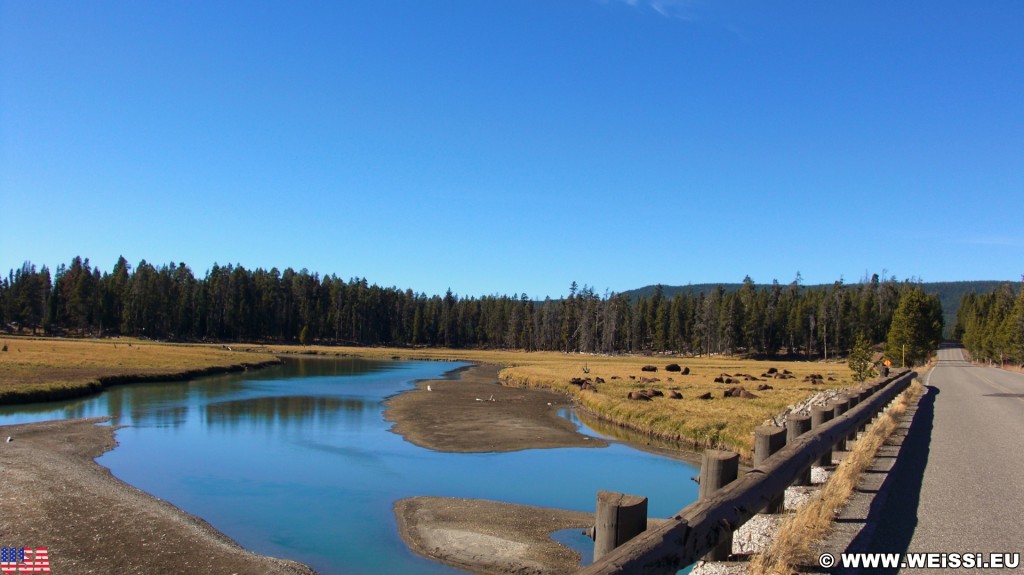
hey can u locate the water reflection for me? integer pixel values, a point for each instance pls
(289, 411)
(262, 398)
(298, 461)
(605, 430)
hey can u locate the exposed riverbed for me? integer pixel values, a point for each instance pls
(298, 461)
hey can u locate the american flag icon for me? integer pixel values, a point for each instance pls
(24, 560)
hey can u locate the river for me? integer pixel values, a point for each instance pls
(297, 461)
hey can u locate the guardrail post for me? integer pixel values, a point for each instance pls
(767, 440)
(866, 393)
(797, 425)
(853, 398)
(620, 517)
(718, 469)
(839, 407)
(820, 416)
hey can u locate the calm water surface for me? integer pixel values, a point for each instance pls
(297, 461)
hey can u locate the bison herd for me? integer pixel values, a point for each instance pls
(585, 384)
(588, 384)
(649, 394)
(816, 379)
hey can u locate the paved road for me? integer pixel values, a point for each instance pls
(970, 448)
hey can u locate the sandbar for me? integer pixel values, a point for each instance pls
(489, 537)
(471, 412)
(54, 495)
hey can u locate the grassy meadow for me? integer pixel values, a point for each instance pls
(40, 369)
(699, 423)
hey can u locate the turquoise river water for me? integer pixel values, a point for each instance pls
(297, 461)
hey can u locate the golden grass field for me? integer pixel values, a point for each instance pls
(717, 422)
(53, 367)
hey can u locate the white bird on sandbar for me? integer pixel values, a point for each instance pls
(428, 388)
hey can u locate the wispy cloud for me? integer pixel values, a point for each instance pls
(678, 9)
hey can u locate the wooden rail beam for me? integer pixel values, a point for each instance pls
(695, 530)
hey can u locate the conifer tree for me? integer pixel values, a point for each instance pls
(860, 359)
(916, 328)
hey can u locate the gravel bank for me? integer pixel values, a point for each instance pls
(489, 537)
(55, 495)
(473, 413)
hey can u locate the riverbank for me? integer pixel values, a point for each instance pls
(56, 496)
(471, 412)
(489, 537)
(52, 369)
(703, 417)
(40, 369)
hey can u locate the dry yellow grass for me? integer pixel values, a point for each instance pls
(52, 368)
(40, 369)
(792, 544)
(719, 422)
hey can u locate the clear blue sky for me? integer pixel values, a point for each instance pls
(501, 146)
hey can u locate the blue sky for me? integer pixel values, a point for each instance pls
(500, 147)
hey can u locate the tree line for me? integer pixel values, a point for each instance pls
(232, 303)
(991, 325)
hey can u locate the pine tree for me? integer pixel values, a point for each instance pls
(1012, 330)
(916, 328)
(860, 359)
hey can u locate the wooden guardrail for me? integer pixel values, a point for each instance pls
(700, 527)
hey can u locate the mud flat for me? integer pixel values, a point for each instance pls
(53, 494)
(473, 413)
(489, 537)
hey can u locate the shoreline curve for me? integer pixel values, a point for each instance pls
(55, 495)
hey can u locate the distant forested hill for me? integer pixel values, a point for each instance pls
(233, 303)
(950, 293)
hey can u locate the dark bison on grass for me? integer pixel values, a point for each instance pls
(738, 392)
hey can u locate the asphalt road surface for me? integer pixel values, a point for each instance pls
(961, 487)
